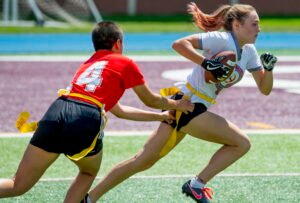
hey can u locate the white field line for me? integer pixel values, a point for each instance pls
(186, 176)
(147, 133)
(81, 58)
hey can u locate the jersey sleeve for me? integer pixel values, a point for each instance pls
(132, 75)
(253, 63)
(212, 42)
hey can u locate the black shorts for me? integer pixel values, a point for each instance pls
(69, 126)
(186, 118)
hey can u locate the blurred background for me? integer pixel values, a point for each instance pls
(63, 26)
(43, 41)
(75, 12)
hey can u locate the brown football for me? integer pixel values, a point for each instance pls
(228, 59)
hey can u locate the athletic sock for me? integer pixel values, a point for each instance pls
(195, 183)
(86, 199)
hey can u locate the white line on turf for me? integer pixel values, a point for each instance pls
(147, 133)
(186, 176)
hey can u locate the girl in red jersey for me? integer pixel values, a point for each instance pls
(73, 123)
(241, 25)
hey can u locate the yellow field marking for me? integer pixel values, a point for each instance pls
(260, 125)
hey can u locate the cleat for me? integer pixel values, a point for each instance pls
(200, 195)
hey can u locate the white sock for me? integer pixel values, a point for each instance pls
(88, 199)
(195, 183)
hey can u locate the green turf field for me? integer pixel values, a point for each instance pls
(268, 173)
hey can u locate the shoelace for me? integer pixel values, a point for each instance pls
(208, 192)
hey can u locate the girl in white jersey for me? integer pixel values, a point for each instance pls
(241, 27)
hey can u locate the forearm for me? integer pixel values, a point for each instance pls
(131, 113)
(160, 102)
(266, 85)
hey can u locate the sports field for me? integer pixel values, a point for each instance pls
(270, 172)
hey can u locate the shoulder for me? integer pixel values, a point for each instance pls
(214, 38)
(250, 51)
(250, 48)
(214, 42)
(215, 35)
(119, 58)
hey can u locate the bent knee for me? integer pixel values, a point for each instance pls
(244, 145)
(18, 190)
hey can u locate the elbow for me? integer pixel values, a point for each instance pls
(176, 45)
(266, 92)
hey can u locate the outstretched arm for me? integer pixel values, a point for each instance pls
(157, 101)
(131, 113)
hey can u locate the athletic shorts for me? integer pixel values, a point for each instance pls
(186, 118)
(69, 126)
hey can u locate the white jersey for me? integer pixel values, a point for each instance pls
(213, 43)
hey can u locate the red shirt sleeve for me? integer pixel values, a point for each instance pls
(132, 75)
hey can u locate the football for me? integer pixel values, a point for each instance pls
(228, 58)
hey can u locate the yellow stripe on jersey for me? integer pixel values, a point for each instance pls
(200, 94)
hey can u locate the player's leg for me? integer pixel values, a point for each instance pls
(143, 160)
(211, 127)
(34, 163)
(88, 169)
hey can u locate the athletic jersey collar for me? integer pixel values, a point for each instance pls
(238, 49)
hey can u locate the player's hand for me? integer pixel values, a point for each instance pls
(168, 116)
(184, 105)
(268, 61)
(219, 71)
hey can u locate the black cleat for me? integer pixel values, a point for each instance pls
(200, 195)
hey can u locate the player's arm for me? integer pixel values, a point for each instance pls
(157, 101)
(131, 113)
(187, 47)
(264, 77)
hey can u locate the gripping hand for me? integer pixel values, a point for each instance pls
(268, 61)
(219, 71)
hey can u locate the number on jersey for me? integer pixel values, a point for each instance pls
(91, 77)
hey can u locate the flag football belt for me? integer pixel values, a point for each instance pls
(83, 153)
(171, 91)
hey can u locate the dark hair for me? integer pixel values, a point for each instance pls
(105, 34)
(222, 17)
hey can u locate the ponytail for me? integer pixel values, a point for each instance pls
(220, 18)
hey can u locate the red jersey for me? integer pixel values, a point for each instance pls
(105, 77)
